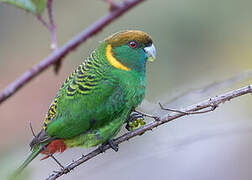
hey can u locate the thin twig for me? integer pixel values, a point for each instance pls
(54, 44)
(212, 108)
(172, 110)
(52, 28)
(39, 17)
(57, 55)
(166, 118)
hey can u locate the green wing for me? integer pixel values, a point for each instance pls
(88, 99)
(81, 76)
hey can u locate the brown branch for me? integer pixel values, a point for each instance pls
(57, 55)
(204, 105)
(40, 19)
(52, 28)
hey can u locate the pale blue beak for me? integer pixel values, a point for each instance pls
(151, 52)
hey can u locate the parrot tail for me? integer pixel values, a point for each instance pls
(35, 151)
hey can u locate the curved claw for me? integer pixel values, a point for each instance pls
(135, 121)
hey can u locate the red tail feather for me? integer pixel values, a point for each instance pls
(53, 147)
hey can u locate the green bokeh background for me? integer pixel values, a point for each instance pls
(198, 42)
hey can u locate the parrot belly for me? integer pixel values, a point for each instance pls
(98, 136)
(88, 139)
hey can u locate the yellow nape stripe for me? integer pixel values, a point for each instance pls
(113, 61)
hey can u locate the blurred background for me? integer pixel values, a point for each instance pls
(200, 44)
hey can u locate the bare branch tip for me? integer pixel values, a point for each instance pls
(39, 18)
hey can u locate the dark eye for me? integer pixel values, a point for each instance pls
(132, 44)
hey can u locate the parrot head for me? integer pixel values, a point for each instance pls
(130, 50)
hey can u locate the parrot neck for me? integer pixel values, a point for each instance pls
(121, 59)
(113, 61)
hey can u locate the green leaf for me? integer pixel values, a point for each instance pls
(33, 6)
(40, 5)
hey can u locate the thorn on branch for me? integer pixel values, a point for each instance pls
(113, 5)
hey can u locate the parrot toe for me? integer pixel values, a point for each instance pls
(135, 121)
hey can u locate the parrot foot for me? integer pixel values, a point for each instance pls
(111, 144)
(135, 121)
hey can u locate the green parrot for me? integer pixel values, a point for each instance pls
(98, 97)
